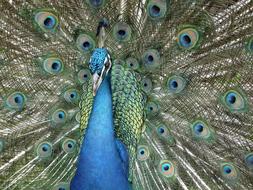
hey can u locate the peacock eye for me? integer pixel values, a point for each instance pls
(200, 130)
(249, 160)
(142, 153)
(16, 101)
(47, 21)
(122, 32)
(188, 38)
(59, 116)
(62, 186)
(71, 96)
(166, 168)
(96, 3)
(44, 150)
(146, 84)
(176, 84)
(132, 63)
(151, 59)
(69, 145)
(234, 101)
(85, 43)
(84, 75)
(156, 9)
(228, 171)
(53, 65)
(152, 108)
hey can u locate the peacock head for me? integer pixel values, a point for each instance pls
(100, 64)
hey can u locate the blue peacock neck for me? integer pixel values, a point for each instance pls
(99, 165)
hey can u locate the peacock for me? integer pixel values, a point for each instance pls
(126, 94)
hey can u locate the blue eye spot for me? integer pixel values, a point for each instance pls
(70, 145)
(61, 115)
(122, 32)
(185, 40)
(199, 128)
(86, 45)
(142, 152)
(55, 66)
(166, 167)
(72, 95)
(96, 3)
(61, 188)
(49, 22)
(18, 99)
(155, 10)
(161, 130)
(150, 58)
(45, 148)
(231, 98)
(174, 84)
(227, 169)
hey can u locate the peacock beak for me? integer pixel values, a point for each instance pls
(98, 78)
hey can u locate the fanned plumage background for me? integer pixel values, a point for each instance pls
(193, 60)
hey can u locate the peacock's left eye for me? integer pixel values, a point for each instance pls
(188, 38)
(59, 116)
(71, 96)
(249, 160)
(166, 168)
(122, 32)
(156, 9)
(152, 108)
(44, 150)
(16, 101)
(176, 84)
(228, 171)
(62, 186)
(146, 84)
(85, 43)
(53, 65)
(132, 63)
(84, 75)
(151, 59)
(47, 21)
(142, 153)
(69, 145)
(234, 101)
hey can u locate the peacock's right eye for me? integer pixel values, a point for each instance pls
(85, 43)
(188, 38)
(166, 168)
(69, 145)
(146, 84)
(59, 116)
(176, 84)
(122, 32)
(16, 101)
(53, 65)
(44, 150)
(84, 75)
(47, 21)
(142, 153)
(156, 9)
